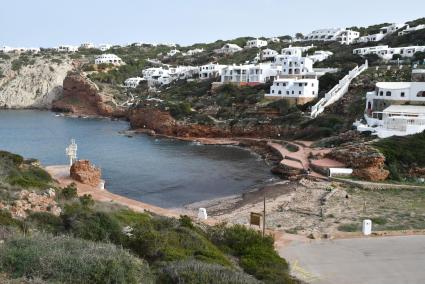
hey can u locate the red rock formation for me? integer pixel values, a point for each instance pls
(82, 171)
(366, 161)
(82, 97)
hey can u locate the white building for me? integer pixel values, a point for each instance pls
(383, 32)
(173, 52)
(250, 74)
(342, 36)
(7, 49)
(411, 29)
(299, 89)
(133, 82)
(108, 59)
(67, 48)
(87, 45)
(104, 46)
(256, 43)
(319, 55)
(387, 53)
(274, 39)
(192, 52)
(395, 108)
(268, 54)
(228, 48)
(297, 80)
(210, 71)
(158, 76)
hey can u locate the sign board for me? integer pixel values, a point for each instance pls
(255, 219)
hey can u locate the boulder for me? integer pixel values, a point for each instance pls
(367, 162)
(84, 172)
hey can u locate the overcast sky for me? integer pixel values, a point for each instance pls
(47, 23)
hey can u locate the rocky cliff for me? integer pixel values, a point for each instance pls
(82, 97)
(83, 171)
(32, 84)
(367, 162)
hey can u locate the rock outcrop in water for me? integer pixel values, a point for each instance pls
(82, 97)
(34, 85)
(83, 171)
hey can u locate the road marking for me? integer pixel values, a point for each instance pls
(302, 273)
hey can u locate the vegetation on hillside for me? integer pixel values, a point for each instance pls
(91, 242)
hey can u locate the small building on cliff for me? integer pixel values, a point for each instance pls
(133, 82)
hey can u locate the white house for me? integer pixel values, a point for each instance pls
(256, 43)
(298, 89)
(342, 36)
(383, 32)
(67, 48)
(319, 55)
(133, 82)
(192, 52)
(395, 108)
(173, 52)
(387, 53)
(104, 46)
(268, 53)
(297, 80)
(228, 48)
(250, 74)
(108, 59)
(210, 71)
(161, 76)
(87, 45)
(274, 39)
(411, 29)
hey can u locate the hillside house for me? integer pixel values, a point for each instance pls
(104, 46)
(320, 55)
(67, 48)
(173, 52)
(133, 82)
(395, 108)
(228, 48)
(211, 70)
(108, 59)
(256, 43)
(408, 30)
(342, 36)
(268, 54)
(383, 32)
(250, 74)
(387, 53)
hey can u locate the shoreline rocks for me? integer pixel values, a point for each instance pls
(83, 171)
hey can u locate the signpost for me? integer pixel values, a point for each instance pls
(255, 218)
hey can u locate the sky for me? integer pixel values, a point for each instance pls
(48, 23)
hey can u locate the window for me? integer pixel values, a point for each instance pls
(402, 94)
(287, 92)
(280, 92)
(272, 91)
(292, 92)
(421, 94)
(388, 94)
(300, 84)
(284, 84)
(299, 92)
(381, 93)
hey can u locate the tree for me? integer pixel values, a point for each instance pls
(299, 36)
(397, 57)
(419, 56)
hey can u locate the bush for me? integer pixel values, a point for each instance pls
(256, 253)
(68, 260)
(30, 176)
(192, 271)
(69, 192)
(82, 222)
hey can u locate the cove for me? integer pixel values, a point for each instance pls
(163, 172)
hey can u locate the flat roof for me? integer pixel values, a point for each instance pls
(418, 71)
(405, 109)
(393, 85)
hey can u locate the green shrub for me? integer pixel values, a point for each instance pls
(7, 220)
(69, 192)
(17, 160)
(46, 222)
(86, 200)
(68, 260)
(196, 272)
(352, 227)
(256, 253)
(84, 223)
(30, 176)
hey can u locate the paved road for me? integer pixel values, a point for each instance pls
(363, 260)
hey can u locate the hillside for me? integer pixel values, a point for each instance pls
(50, 235)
